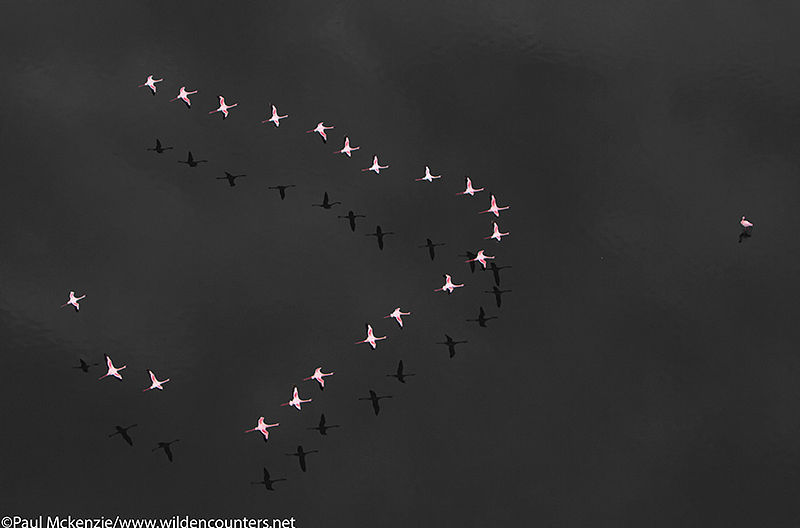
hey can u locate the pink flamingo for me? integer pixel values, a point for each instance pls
(223, 107)
(73, 301)
(185, 96)
(371, 339)
(480, 257)
(494, 209)
(428, 176)
(321, 130)
(275, 117)
(112, 371)
(496, 235)
(347, 148)
(745, 223)
(262, 426)
(375, 167)
(151, 83)
(318, 375)
(397, 315)
(155, 383)
(470, 190)
(295, 401)
(448, 285)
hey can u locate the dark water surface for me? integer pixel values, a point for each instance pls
(642, 371)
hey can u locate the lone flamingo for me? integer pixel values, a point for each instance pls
(470, 190)
(262, 427)
(123, 431)
(319, 375)
(481, 257)
(282, 189)
(159, 149)
(374, 398)
(347, 148)
(745, 223)
(428, 176)
(494, 209)
(496, 234)
(267, 482)
(151, 83)
(448, 285)
(397, 315)
(190, 161)
(275, 117)
(223, 107)
(430, 245)
(302, 456)
(352, 217)
(401, 376)
(380, 234)
(451, 344)
(155, 384)
(295, 401)
(165, 447)
(73, 301)
(320, 129)
(375, 167)
(230, 177)
(322, 428)
(371, 339)
(326, 204)
(184, 95)
(482, 318)
(112, 371)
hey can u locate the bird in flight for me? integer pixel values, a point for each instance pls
(470, 190)
(184, 96)
(262, 427)
(123, 431)
(275, 117)
(319, 375)
(223, 107)
(151, 83)
(322, 428)
(496, 234)
(73, 301)
(190, 161)
(397, 315)
(448, 285)
(326, 204)
(159, 149)
(401, 376)
(347, 148)
(374, 398)
(380, 234)
(451, 345)
(494, 209)
(267, 482)
(371, 339)
(430, 245)
(482, 318)
(302, 456)
(112, 371)
(230, 177)
(481, 257)
(352, 217)
(155, 384)
(375, 167)
(165, 447)
(295, 401)
(85, 366)
(320, 129)
(428, 176)
(281, 189)
(497, 294)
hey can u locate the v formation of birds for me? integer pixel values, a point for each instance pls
(449, 286)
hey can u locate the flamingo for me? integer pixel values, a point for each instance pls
(302, 456)
(282, 189)
(267, 482)
(482, 318)
(480, 257)
(230, 177)
(495, 269)
(397, 314)
(275, 117)
(295, 401)
(745, 223)
(326, 204)
(430, 245)
(347, 148)
(374, 398)
(448, 285)
(451, 344)
(380, 234)
(352, 217)
(494, 209)
(497, 235)
(428, 176)
(375, 167)
(184, 95)
(190, 161)
(85, 366)
(155, 383)
(321, 130)
(322, 428)
(73, 301)
(112, 371)
(401, 377)
(371, 339)
(263, 426)
(223, 107)
(497, 294)
(123, 431)
(151, 83)
(165, 447)
(318, 375)
(469, 190)
(159, 149)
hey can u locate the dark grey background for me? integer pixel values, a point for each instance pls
(642, 372)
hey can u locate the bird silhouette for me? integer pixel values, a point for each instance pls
(401, 377)
(430, 245)
(374, 398)
(322, 428)
(230, 177)
(159, 149)
(482, 318)
(495, 269)
(165, 447)
(123, 431)
(352, 217)
(471, 256)
(281, 189)
(497, 294)
(85, 366)
(380, 234)
(267, 482)
(451, 345)
(190, 161)
(302, 456)
(326, 204)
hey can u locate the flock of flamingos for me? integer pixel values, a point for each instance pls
(319, 376)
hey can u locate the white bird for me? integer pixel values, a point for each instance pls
(745, 223)
(275, 117)
(73, 301)
(112, 371)
(295, 401)
(397, 315)
(151, 83)
(155, 383)
(321, 130)
(223, 107)
(347, 148)
(496, 234)
(375, 167)
(262, 426)
(371, 339)
(480, 257)
(448, 285)
(318, 375)
(185, 96)
(428, 176)
(470, 190)
(494, 209)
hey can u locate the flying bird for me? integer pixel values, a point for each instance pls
(322, 428)
(112, 371)
(469, 190)
(85, 366)
(481, 257)
(155, 384)
(230, 177)
(496, 234)
(302, 456)
(482, 318)
(281, 189)
(401, 376)
(352, 217)
(320, 129)
(430, 245)
(380, 234)
(497, 294)
(184, 95)
(375, 167)
(73, 301)
(296, 401)
(151, 83)
(223, 107)
(494, 209)
(267, 482)
(347, 148)
(451, 345)
(397, 315)
(262, 427)
(159, 149)
(319, 375)
(123, 431)
(326, 204)
(371, 339)
(275, 117)
(190, 161)
(428, 176)
(374, 398)
(165, 447)
(448, 285)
